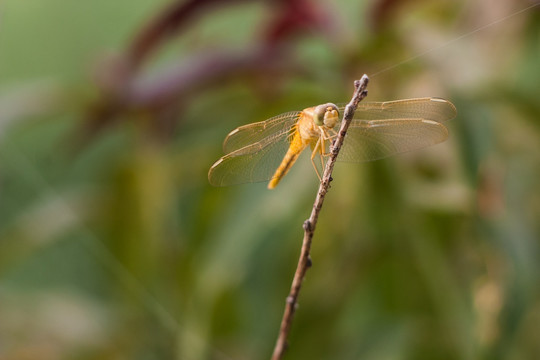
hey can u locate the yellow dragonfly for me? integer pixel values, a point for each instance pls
(266, 150)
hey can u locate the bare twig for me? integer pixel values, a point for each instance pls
(304, 262)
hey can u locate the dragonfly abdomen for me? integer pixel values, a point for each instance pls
(295, 149)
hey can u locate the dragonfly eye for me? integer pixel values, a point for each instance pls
(318, 115)
(326, 114)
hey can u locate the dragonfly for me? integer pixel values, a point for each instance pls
(266, 150)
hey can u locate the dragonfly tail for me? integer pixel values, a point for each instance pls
(297, 146)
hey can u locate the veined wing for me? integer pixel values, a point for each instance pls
(253, 133)
(368, 140)
(435, 109)
(252, 163)
(382, 129)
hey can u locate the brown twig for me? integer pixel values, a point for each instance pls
(304, 262)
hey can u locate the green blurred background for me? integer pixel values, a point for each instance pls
(114, 246)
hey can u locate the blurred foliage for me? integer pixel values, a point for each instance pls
(114, 246)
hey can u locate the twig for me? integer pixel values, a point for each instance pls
(304, 262)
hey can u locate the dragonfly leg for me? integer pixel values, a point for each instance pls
(331, 134)
(315, 150)
(322, 152)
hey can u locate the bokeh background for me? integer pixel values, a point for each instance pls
(114, 246)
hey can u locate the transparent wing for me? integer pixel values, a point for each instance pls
(376, 139)
(256, 132)
(382, 129)
(435, 109)
(253, 163)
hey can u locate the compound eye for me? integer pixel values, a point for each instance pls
(318, 115)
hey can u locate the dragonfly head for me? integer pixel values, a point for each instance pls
(326, 114)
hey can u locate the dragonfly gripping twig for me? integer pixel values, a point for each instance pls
(304, 262)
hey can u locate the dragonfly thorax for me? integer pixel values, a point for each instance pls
(316, 121)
